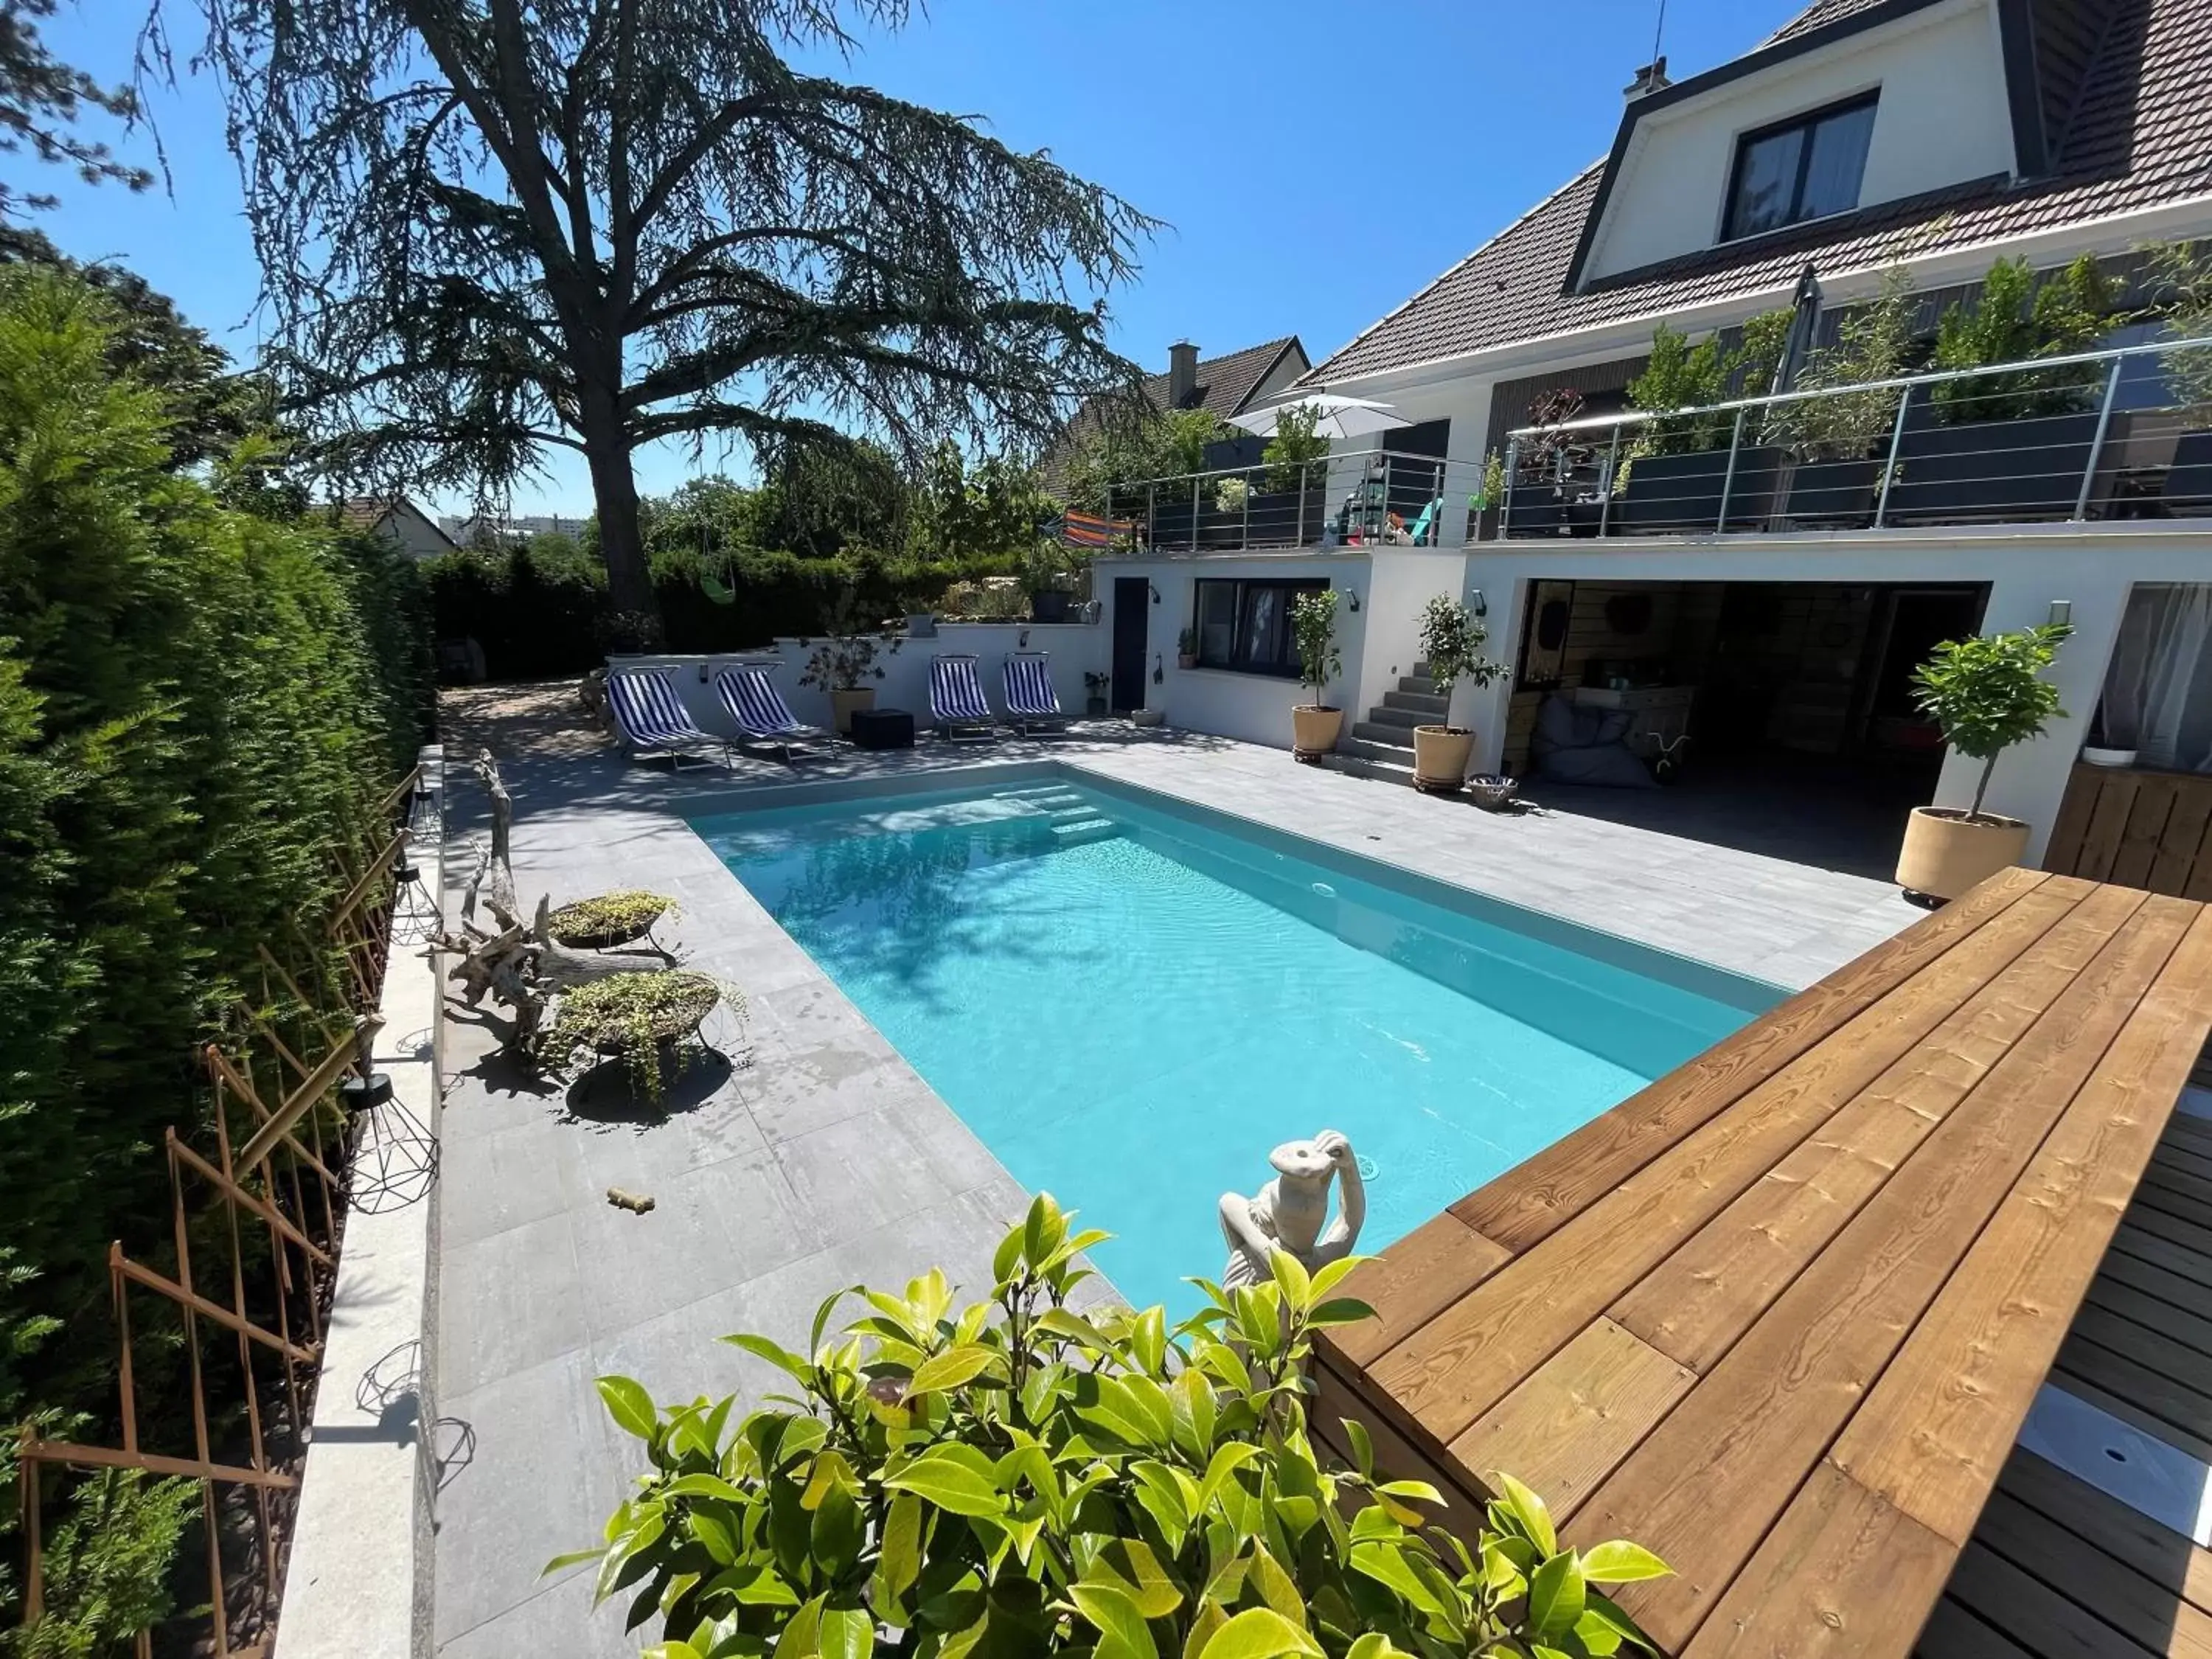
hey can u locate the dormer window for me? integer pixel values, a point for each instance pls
(1806, 167)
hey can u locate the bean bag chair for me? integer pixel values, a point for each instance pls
(1574, 745)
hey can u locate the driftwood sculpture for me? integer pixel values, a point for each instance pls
(520, 965)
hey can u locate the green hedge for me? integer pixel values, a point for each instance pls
(537, 616)
(196, 707)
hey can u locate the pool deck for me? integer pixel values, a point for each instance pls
(820, 1160)
(1781, 1316)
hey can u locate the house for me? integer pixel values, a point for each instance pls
(397, 521)
(1224, 386)
(1930, 137)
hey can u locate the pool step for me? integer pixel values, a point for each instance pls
(1087, 830)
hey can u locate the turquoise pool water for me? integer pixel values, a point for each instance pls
(1131, 1005)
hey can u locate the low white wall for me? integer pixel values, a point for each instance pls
(1072, 650)
(1254, 707)
(2025, 568)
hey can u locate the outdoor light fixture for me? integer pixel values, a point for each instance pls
(1160, 669)
(1477, 603)
(1155, 591)
(2061, 612)
(1355, 601)
(369, 1087)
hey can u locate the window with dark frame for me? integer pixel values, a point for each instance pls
(1806, 167)
(1244, 627)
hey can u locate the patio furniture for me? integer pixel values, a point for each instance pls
(1576, 744)
(653, 719)
(882, 729)
(752, 700)
(1030, 701)
(957, 704)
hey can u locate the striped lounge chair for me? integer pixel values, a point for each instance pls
(955, 700)
(751, 699)
(653, 719)
(1031, 704)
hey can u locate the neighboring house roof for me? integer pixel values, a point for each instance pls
(2138, 133)
(365, 514)
(1224, 384)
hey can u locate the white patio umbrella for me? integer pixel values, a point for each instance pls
(1340, 416)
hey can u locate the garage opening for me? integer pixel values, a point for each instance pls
(1772, 717)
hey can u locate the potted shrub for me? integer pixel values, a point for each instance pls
(1987, 693)
(1452, 637)
(1291, 504)
(1015, 1477)
(1044, 578)
(2179, 275)
(1680, 478)
(844, 662)
(1095, 686)
(1186, 648)
(1550, 470)
(1838, 443)
(2015, 445)
(1315, 726)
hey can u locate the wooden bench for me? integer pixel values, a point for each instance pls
(1779, 1316)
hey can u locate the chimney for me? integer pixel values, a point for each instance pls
(1648, 79)
(1182, 374)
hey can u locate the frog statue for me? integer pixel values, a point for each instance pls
(1287, 1214)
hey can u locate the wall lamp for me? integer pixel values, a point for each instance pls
(2061, 612)
(1476, 603)
(1354, 606)
(1155, 591)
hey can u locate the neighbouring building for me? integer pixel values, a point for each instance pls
(1764, 594)
(397, 519)
(467, 530)
(1224, 386)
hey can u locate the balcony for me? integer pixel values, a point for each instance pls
(1376, 498)
(2122, 433)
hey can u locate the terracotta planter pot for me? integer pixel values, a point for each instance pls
(1944, 855)
(845, 704)
(1314, 729)
(1440, 756)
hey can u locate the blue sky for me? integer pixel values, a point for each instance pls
(1316, 161)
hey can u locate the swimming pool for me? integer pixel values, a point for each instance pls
(1132, 1000)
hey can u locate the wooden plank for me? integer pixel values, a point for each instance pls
(1472, 1355)
(2158, 1552)
(1704, 1487)
(1934, 1433)
(2175, 1194)
(1410, 1282)
(1696, 1305)
(2132, 1604)
(2150, 1393)
(2162, 1353)
(1570, 1423)
(2148, 1262)
(2183, 846)
(2068, 1372)
(2195, 1240)
(2063, 850)
(1538, 1196)
(2116, 1297)
(1953, 1632)
(2146, 828)
(2100, 844)
(1842, 1574)
(2034, 1614)
(2181, 1154)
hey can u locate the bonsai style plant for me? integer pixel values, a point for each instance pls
(1186, 648)
(1452, 637)
(843, 664)
(1315, 726)
(1015, 1477)
(1987, 693)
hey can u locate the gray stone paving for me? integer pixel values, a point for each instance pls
(822, 1159)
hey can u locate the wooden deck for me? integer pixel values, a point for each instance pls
(1780, 1316)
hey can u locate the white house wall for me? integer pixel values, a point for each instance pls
(1943, 118)
(2024, 571)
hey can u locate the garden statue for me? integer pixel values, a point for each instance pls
(1287, 1214)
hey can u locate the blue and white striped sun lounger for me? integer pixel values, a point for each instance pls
(1031, 700)
(653, 719)
(752, 700)
(956, 698)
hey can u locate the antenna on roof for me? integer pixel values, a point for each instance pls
(1657, 31)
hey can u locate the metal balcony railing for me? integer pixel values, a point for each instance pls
(2124, 433)
(1359, 498)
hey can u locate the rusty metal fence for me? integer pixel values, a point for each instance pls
(258, 1204)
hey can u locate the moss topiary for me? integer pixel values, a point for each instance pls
(593, 924)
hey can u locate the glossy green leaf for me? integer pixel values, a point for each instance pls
(1275, 1587)
(1291, 1278)
(847, 1633)
(1257, 1633)
(1598, 1640)
(1221, 1468)
(629, 1404)
(1608, 1615)
(1525, 1507)
(1210, 1617)
(1557, 1594)
(950, 1483)
(671, 1650)
(1331, 1274)
(802, 1636)
(1129, 1566)
(1191, 1398)
(1363, 1445)
(1007, 1256)
(1620, 1562)
(1064, 1322)
(1123, 1632)
(1386, 1563)
(572, 1559)
(1339, 1310)
(952, 1368)
(899, 1563)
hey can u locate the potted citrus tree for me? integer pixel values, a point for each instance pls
(1988, 694)
(1452, 637)
(1315, 726)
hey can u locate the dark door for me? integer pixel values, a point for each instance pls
(1133, 598)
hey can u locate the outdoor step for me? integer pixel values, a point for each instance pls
(1392, 736)
(1363, 766)
(1394, 754)
(1420, 684)
(1429, 704)
(1408, 717)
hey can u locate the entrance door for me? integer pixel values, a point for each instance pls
(1132, 617)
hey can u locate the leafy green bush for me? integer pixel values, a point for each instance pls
(1680, 375)
(1012, 1477)
(1313, 629)
(1290, 453)
(107, 1565)
(1877, 340)
(1452, 638)
(1987, 693)
(2013, 321)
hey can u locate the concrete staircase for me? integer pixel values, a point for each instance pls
(1381, 745)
